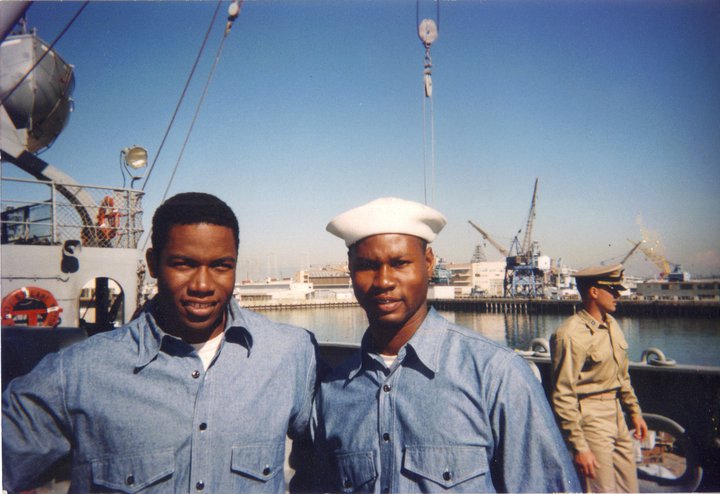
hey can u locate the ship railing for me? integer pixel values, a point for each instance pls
(37, 212)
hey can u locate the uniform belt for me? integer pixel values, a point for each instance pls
(607, 395)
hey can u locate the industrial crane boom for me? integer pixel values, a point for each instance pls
(636, 245)
(527, 239)
(487, 237)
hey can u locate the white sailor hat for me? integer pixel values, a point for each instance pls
(610, 276)
(387, 215)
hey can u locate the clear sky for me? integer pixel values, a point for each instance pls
(317, 107)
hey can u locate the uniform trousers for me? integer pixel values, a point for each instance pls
(606, 432)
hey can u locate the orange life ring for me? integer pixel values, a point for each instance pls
(50, 312)
(108, 218)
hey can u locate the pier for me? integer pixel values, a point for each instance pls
(629, 308)
(260, 305)
(649, 308)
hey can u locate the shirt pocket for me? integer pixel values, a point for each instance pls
(356, 471)
(447, 466)
(258, 465)
(134, 473)
(594, 356)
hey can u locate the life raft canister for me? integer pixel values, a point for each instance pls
(12, 307)
(108, 218)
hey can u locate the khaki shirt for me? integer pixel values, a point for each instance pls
(588, 357)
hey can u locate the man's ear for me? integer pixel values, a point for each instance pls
(151, 262)
(430, 260)
(593, 292)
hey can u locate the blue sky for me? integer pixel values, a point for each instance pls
(317, 107)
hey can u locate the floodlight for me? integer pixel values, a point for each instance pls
(135, 157)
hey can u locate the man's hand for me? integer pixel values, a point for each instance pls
(640, 427)
(587, 463)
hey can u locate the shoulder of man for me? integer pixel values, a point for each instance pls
(281, 335)
(474, 341)
(568, 327)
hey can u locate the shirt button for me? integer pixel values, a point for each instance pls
(266, 470)
(200, 485)
(386, 437)
(203, 426)
(130, 480)
(387, 388)
(195, 374)
(347, 484)
(447, 475)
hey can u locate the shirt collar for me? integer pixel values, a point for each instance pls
(425, 344)
(593, 324)
(150, 336)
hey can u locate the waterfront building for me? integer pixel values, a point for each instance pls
(477, 278)
(286, 289)
(329, 277)
(679, 290)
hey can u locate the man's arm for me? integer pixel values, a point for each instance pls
(530, 455)
(628, 399)
(567, 362)
(302, 455)
(35, 426)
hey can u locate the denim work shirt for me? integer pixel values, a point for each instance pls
(455, 412)
(134, 410)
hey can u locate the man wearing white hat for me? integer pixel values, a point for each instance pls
(426, 405)
(591, 385)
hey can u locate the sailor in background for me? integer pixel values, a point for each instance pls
(591, 385)
(426, 405)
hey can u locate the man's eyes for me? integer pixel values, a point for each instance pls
(181, 263)
(225, 266)
(187, 264)
(369, 265)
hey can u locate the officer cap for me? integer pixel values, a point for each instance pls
(387, 215)
(610, 276)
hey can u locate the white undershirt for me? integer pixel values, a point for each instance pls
(207, 349)
(388, 359)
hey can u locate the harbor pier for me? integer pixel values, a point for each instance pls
(650, 308)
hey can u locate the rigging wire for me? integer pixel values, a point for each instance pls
(428, 32)
(182, 96)
(233, 15)
(50, 48)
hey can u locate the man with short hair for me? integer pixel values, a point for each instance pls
(194, 395)
(591, 385)
(426, 405)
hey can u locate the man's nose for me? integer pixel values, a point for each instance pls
(201, 280)
(384, 277)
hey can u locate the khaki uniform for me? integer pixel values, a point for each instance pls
(591, 390)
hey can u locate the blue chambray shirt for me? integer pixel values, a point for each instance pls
(455, 412)
(135, 411)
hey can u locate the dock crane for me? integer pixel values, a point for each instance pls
(525, 269)
(636, 246)
(654, 252)
(487, 237)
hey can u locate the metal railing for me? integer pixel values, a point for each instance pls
(36, 212)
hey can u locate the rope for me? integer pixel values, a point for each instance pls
(62, 33)
(194, 119)
(192, 124)
(427, 83)
(427, 78)
(182, 96)
(432, 151)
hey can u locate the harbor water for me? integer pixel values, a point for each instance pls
(690, 341)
